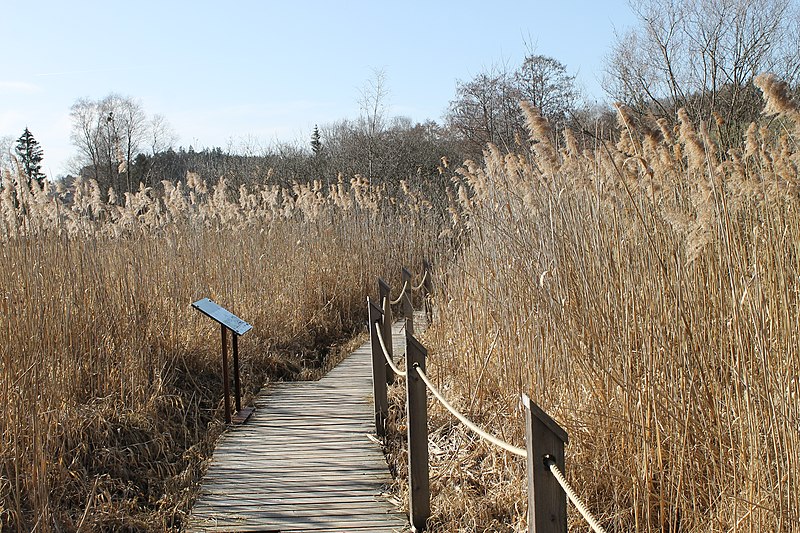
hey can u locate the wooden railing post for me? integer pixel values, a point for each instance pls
(237, 389)
(547, 502)
(427, 290)
(378, 370)
(406, 302)
(417, 409)
(226, 388)
(384, 295)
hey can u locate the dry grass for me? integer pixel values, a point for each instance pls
(642, 292)
(645, 293)
(110, 385)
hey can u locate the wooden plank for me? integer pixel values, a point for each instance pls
(260, 529)
(309, 514)
(313, 478)
(274, 491)
(296, 452)
(302, 500)
(303, 459)
(299, 523)
(239, 524)
(356, 510)
(303, 462)
(303, 465)
(298, 447)
(318, 468)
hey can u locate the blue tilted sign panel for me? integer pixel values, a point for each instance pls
(222, 315)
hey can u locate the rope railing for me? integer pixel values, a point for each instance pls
(548, 489)
(570, 492)
(402, 293)
(388, 357)
(421, 283)
(467, 422)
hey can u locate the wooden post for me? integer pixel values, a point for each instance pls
(379, 395)
(427, 290)
(237, 389)
(417, 409)
(547, 502)
(226, 388)
(384, 294)
(407, 306)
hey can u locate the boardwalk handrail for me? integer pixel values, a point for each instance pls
(397, 371)
(421, 283)
(548, 489)
(520, 452)
(576, 501)
(402, 293)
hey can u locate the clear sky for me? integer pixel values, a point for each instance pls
(224, 71)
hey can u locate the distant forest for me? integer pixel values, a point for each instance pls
(686, 55)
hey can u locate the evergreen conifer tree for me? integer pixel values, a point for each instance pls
(316, 143)
(30, 156)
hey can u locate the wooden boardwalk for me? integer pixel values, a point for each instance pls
(303, 461)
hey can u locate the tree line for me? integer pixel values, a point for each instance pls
(699, 55)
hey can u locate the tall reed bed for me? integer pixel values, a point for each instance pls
(111, 387)
(645, 293)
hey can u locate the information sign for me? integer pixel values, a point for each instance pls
(222, 315)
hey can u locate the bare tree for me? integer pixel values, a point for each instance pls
(480, 111)
(545, 83)
(109, 134)
(86, 136)
(162, 136)
(133, 125)
(702, 55)
(373, 98)
(486, 109)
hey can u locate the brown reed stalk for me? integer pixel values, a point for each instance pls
(649, 302)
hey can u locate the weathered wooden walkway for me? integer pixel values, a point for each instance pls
(303, 461)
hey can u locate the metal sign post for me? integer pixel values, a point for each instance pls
(228, 322)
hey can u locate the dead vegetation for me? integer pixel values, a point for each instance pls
(645, 294)
(110, 382)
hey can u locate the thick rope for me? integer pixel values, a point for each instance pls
(579, 505)
(402, 293)
(421, 283)
(464, 420)
(386, 353)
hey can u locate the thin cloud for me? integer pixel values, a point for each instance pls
(102, 70)
(19, 87)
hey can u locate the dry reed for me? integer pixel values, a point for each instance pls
(645, 294)
(111, 387)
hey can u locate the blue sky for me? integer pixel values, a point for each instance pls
(222, 71)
